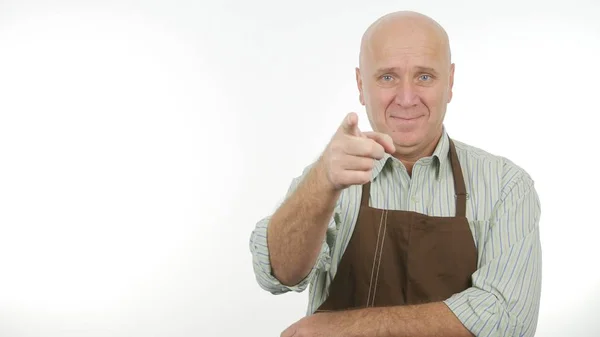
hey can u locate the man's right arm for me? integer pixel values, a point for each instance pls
(294, 214)
(297, 229)
(292, 240)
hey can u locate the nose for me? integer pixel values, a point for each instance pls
(406, 94)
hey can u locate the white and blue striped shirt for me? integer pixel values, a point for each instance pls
(503, 210)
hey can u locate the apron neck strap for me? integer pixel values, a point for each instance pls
(459, 185)
(460, 191)
(366, 192)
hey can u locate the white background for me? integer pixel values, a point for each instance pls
(141, 141)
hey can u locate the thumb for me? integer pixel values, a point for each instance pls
(350, 125)
(383, 139)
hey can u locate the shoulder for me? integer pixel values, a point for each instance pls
(496, 169)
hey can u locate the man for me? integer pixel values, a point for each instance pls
(404, 231)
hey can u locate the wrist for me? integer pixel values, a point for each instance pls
(321, 182)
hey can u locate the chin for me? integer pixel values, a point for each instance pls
(407, 139)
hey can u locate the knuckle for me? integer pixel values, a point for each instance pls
(334, 147)
(336, 163)
(343, 148)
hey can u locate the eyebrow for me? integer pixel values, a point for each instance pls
(419, 70)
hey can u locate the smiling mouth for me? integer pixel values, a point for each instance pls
(406, 119)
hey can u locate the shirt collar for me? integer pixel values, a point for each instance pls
(439, 157)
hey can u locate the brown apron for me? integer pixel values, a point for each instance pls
(403, 257)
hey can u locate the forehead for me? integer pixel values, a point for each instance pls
(406, 47)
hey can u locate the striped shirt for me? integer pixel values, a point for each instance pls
(503, 210)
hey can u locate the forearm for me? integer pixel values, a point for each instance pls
(433, 319)
(297, 229)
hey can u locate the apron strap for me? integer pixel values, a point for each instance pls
(459, 183)
(366, 193)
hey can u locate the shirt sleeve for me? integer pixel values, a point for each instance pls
(260, 252)
(504, 298)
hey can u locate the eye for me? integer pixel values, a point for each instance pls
(387, 78)
(425, 77)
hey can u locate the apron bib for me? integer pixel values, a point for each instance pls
(403, 257)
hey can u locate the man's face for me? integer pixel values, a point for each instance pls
(405, 82)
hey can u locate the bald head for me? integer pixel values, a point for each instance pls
(405, 80)
(404, 29)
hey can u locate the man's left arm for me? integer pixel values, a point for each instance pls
(432, 319)
(503, 300)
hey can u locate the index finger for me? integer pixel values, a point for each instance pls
(350, 125)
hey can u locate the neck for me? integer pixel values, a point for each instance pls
(409, 156)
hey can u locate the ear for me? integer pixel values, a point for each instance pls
(451, 84)
(359, 84)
